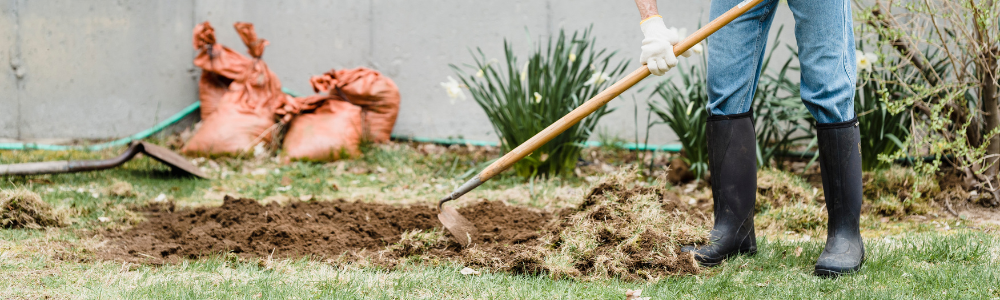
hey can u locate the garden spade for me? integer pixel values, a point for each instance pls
(463, 231)
(163, 155)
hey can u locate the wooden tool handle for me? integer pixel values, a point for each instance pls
(592, 105)
(605, 96)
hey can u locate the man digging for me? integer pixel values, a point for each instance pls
(825, 38)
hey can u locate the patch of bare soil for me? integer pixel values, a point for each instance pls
(622, 229)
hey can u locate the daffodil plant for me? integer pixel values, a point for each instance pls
(522, 98)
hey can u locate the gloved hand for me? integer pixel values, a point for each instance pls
(658, 45)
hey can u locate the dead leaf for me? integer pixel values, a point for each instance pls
(285, 180)
(635, 295)
(798, 251)
(468, 271)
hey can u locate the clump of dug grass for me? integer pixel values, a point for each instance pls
(22, 208)
(627, 230)
(121, 189)
(777, 188)
(622, 229)
(786, 202)
(899, 191)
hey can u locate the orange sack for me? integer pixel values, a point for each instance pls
(246, 113)
(377, 96)
(324, 128)
(220, 66)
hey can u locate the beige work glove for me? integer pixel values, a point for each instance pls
(658, 46)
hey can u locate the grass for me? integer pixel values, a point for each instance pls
(907, 259)
(954, 264)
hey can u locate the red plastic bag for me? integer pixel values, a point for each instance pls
(377, 96)
(220, 67)
(246, 113)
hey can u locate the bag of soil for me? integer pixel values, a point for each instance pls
(220, 67)
(376, 94)
(321, 127)
(245, 115)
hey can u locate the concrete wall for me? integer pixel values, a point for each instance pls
(103, 69)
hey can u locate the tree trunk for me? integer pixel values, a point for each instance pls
(986, 65)
(988, 96)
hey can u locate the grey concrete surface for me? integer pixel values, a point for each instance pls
(99, 69)
(105, 69)
(8, 81)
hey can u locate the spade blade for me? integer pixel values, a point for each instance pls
(172, 159)
(462, 231)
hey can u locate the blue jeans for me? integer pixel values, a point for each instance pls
(825, 37)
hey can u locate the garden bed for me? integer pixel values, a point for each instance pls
(620, 229)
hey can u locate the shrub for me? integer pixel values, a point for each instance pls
(522, 99)
(947, 62)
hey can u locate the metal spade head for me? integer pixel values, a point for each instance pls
(462, 231)
(174, 160)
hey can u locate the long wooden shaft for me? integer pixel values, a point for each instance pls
(594, 103)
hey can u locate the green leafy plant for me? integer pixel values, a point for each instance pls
(953, 97)
(682, 107)
(522, 99)
(883, 131)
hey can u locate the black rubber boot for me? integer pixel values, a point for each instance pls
(732, 159)
(840, 163)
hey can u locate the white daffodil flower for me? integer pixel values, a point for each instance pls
(453, 89)
(538, 97)
(597, 79)
(572, 57)
(480, 73)
(865, 60)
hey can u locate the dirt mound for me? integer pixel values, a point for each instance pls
(622, 229)
(24, 209)
(322, 229)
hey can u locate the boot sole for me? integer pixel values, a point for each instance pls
(716, 262)
(833, 273)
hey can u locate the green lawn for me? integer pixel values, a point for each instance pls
(906, 259)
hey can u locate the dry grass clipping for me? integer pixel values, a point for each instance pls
(22, 208)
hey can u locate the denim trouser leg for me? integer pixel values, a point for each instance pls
(824, 32)
(825, 38)
(735, 54)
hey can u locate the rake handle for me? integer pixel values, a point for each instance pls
(594, 104)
